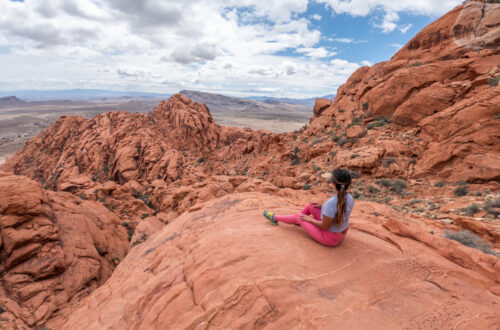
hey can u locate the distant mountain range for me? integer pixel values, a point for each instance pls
(307, 102)
(79, 94)
(99, 94)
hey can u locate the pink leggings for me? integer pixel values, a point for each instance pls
(320, 235)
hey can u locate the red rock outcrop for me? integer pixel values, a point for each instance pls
(224, 266)
(441, 86)
(54, 249)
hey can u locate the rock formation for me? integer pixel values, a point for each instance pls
(440, 91)
(223, 266)
(55, 249)
(176, 201)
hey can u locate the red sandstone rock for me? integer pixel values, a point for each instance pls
(55, 249)
(186, 276)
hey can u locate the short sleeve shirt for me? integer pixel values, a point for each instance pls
(330, 210)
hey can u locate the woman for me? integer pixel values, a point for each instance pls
(329, 222)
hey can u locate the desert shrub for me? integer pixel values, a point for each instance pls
(130, 233)
(342, 141)
(141, 239)
(439, 184)
(82, 197)
(460, 191)
(415, 64)
(307, 186)
(492, 207)
(375, 124)
(357, 120)
(478, 193)
(294, 156)
(341, 110)
(316, 142)
(333, 154)
(412, 161)
(365, 106)
(496, 116)
(354, 156)
(200, 160)
(336, 138)
(384, 182)
(415, 201)
(373, 189)
(356, 194)
(316, 168)
(388, 161)
(245, 170)
(471, 210)
(354, 174)
(398, 186)
(469, 239)
(145, 198)
(493, 81)
(144, 215)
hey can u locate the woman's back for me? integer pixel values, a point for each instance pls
(329, 209)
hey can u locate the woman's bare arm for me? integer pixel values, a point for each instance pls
(325, 224)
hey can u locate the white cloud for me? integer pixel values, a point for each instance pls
(405, 28)
(233, 46)
(391, 9)
(319, 52)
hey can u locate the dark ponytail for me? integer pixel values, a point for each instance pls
(342, 180)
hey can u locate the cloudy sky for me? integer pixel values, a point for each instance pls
(293, 48)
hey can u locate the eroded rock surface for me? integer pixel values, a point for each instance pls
(55, 249)
(225, 266)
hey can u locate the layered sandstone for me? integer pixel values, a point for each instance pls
(224, 266)
(55, 249)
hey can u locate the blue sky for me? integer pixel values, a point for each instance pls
(281, 48)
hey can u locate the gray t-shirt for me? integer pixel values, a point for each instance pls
(330, 210)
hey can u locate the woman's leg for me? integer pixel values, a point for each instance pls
(309, 209)
(292, 219)
(320, 235)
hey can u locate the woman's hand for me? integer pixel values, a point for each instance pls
(305, 218)
(316, 204)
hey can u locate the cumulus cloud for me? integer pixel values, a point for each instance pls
(233, 45)
(390, 8)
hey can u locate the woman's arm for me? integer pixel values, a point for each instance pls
(325, 224)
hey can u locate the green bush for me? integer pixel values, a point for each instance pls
(469, 239)
(398, 186)
(460, 191)
(130, 233)
(388, 161)
(439, 184)
(492, 207)
(307, 186)
(494, 81)
(200, 160)
(471, 210)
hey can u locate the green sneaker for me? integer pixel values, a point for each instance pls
(270, 217)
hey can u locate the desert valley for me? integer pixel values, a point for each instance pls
(152, 219)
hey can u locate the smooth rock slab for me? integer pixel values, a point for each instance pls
(224, 266)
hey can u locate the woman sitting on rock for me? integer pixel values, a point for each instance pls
(326, 223)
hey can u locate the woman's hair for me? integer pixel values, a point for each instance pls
(342, 180)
